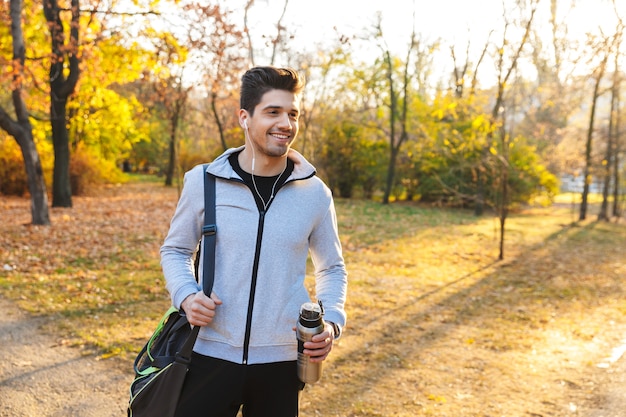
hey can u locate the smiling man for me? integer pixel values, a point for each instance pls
(272, 212)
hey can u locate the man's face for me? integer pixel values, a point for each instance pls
(274, 125)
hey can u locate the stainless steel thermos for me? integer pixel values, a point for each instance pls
(309, 324)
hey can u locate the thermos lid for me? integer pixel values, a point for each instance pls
(310, 311)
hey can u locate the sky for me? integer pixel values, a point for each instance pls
(315, 20)
(450, 20)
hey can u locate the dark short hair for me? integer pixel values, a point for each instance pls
(259, 80)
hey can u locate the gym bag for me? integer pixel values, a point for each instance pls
(162, 364)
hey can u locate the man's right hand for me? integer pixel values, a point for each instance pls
(200, 309)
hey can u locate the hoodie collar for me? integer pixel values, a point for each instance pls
(221, 168)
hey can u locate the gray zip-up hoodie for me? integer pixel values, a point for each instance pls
(260, 261)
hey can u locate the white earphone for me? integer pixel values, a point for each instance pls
(245, 126)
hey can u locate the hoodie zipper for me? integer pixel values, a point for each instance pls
(255, 271)
(255, 266)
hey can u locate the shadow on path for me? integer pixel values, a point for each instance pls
(41, 377)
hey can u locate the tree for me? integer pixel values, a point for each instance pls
(398, 103)
(249, 4)
(327, 70)
(617, 83)
(505, 66)
(604, 48)
(551, 98)
(461, 73)
(171, 92)
(209, 45)
(275, 43)
(104, 115)
(217, 46)
(617, 158)
(504, 161)
(352, 157)
(449, 161)
(609, 161)
(21, 129)
(495, 164)
(64, 74)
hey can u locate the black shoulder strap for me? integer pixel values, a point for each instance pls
(208, 232)
(208, 270)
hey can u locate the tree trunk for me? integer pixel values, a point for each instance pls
(36, 183)
(21, 129)
(175, 115)
(396, 114)
(173, 157)
(391, 173)
(249, 4)
(479, 201)
(218, 121)
(61, 184)
(617, 148)
(23, 134)
(589, 143)
(61, 87)
(503, 210)
(607, 163)
(393, 116)
(503, 217)
(616, 176)
(611, 155)
(585, 195)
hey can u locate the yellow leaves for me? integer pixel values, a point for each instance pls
(479, 122)
(448, 111)
(437, 398)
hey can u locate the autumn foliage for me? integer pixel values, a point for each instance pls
(86, 170)
(13, 179)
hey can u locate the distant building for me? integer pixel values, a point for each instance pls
(574, 184)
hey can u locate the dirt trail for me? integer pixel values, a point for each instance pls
(608, 397)
(41, 377)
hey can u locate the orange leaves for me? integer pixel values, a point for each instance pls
(98, 231)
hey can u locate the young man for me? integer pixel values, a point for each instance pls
(272, 211)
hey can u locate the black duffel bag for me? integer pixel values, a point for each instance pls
(162, 364)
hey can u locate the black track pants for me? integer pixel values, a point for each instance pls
(217, 388)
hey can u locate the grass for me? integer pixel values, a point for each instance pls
(436, 325)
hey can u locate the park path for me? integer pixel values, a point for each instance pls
(39, 376)
(609, 394)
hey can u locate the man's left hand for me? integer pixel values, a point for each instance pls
(321, 344)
